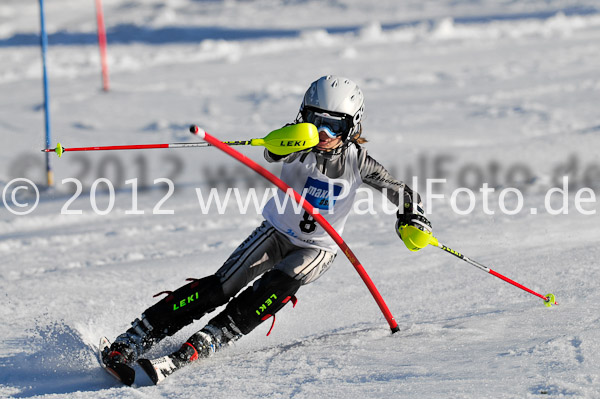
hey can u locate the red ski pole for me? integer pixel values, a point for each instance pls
(59, 150)
(311, 210)
(549, 299)
(281, 141)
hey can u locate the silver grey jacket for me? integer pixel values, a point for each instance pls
(332, 163)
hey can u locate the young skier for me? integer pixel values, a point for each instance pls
(286, 251)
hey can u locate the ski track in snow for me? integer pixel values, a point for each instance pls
(457, 86)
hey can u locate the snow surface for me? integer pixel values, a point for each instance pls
(493, 91)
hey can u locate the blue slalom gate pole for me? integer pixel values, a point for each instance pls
(44, 45)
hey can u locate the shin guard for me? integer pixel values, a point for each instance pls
(184, 305)
(257, 303)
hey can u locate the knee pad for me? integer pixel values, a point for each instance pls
(184, 305)
(257, 303)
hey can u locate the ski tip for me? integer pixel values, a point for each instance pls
(550, 300)
(102, 345)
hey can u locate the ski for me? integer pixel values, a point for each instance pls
(120, 371)
(159, 369)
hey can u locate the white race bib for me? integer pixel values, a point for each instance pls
(332, 197)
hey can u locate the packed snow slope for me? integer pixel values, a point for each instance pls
(491, 91)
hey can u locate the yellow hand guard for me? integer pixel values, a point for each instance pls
(416, 235)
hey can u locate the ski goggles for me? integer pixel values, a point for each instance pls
(334, 125)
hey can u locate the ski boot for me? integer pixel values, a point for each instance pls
(117, 358)
(202, 344)
(115, 362)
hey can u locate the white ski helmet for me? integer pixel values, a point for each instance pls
(336, 103)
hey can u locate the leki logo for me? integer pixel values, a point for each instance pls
(265, 305)
(292, 143)
(185, 301)
(453, 252)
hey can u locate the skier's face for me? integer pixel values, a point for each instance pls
(328, 143)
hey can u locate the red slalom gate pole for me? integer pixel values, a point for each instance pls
(311, 210)
(102, 43)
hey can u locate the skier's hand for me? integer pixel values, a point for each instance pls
(413, 228)
(411, 206)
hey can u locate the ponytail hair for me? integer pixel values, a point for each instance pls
(357, 137)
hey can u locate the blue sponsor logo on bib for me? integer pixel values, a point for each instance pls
(316, 192)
